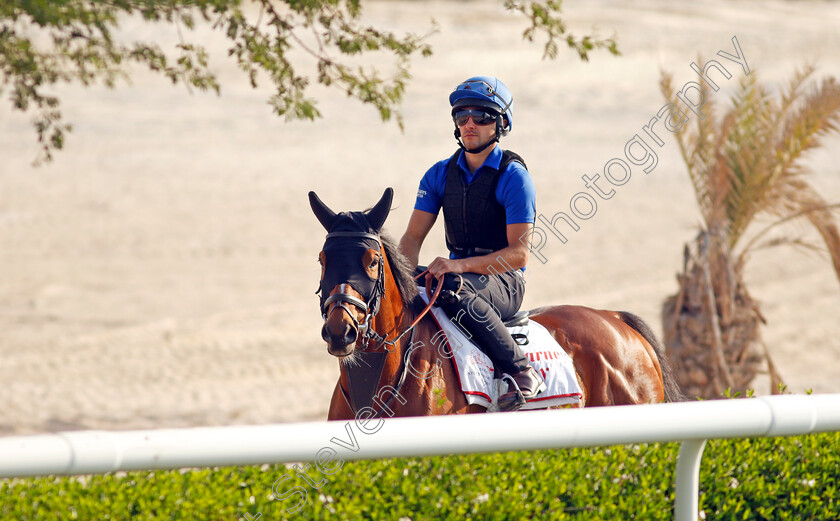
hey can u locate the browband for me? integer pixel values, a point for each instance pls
(353, 234)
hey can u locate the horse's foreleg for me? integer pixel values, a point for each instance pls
(339, 408)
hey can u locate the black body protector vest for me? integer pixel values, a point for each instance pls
(473, 219)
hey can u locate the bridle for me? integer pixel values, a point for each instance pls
(371, 340)
(369, 308)
(365, 333)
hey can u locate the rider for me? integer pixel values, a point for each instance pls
(489, 203)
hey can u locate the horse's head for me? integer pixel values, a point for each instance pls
(352, 271)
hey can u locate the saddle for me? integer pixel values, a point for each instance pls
(519, 319)
(479, 378)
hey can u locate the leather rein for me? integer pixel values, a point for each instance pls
(381, 340)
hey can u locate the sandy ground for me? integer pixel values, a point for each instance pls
(162, 271)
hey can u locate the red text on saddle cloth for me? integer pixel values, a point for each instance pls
(546, 355)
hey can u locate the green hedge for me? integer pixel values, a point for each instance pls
(793, 478)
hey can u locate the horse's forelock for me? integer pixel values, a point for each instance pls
(351, 222)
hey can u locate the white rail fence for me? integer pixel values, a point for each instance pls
(692, 423)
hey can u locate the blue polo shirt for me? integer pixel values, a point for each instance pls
(515, 191)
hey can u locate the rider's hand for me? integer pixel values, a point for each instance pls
(441, 266)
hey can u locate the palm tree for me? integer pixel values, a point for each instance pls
(744, 165)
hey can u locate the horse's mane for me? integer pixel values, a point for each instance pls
(403, 273)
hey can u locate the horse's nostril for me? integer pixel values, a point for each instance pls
(349, 334)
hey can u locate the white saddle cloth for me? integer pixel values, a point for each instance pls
(475, 369)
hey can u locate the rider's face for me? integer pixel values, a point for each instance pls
(474, 135)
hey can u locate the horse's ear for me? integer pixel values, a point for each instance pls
(325, 216)
(376, 216)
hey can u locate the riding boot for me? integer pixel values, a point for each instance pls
(521, 387)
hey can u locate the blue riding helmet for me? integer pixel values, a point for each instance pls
(486, 92)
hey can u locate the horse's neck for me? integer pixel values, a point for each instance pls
(394, 316)
(396, 313)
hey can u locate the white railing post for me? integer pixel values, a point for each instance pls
(687, 476)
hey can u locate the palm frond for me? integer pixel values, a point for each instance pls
(799, 242)
(794, 89)
(804, 202)
(749, 161)
(686, 143)
(719, 180)
(748, 154)
(817, 114)
(754, 244)
(706, 142)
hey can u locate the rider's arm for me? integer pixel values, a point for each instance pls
(419, 225)
(514, 256)
(426, 209)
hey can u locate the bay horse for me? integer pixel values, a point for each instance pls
(390, 364)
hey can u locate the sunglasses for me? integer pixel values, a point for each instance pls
(479, 117)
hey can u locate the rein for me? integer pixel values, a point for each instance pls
(381, 340)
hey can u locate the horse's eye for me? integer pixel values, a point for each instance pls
(374, 263)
